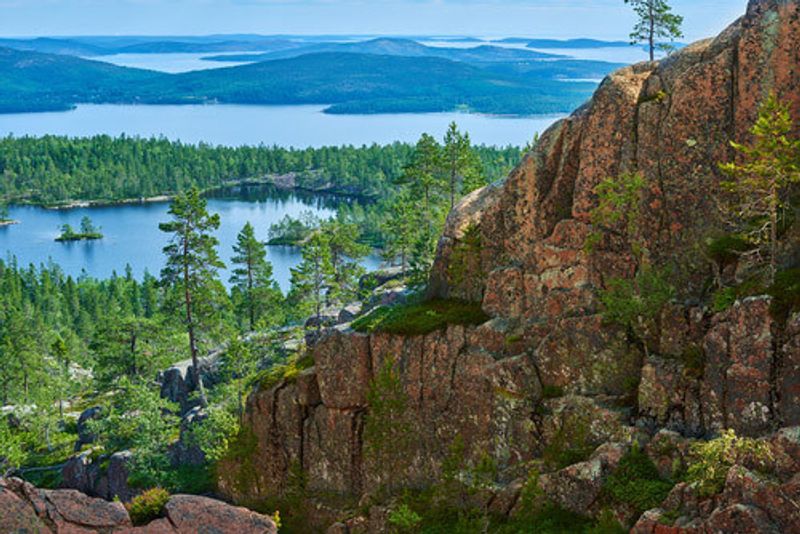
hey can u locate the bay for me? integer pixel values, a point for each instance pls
(131, 234)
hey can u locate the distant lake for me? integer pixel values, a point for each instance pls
(287, 126)
(131, 234)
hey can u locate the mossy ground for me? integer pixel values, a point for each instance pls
(421, 318)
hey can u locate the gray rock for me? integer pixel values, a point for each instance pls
(183, 451)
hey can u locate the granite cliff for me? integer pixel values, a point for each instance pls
(545, 372)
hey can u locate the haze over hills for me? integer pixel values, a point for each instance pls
(377, 75)
(399, 47)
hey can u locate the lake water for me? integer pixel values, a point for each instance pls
(131, 234)
(297, 126)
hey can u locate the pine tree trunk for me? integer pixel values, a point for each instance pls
(190, 328)
(773, 233)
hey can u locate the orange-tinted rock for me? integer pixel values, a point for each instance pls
(191, 514)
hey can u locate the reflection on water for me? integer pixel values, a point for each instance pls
(131, 234)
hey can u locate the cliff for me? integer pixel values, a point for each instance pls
(545, 375)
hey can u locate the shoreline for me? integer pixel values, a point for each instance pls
(8, 223)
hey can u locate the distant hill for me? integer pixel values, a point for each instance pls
(31, 81)
(396, 47)
(347, 82)
(576, 43)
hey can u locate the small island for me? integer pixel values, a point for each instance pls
(88, 232)
(5, 220)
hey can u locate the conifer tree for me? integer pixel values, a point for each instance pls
(313, 278)
(656, 21)
(191, 267)
(760, 182)
(345, 252)
(460, 162)
(252, 278)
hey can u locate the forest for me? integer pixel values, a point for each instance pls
(53, 169)
(68, 344)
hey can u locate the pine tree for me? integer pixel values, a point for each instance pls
(345, 252)
(656, 21)
(760, 183)
(191, 266)
(403, 227)
(252, 280)
(313, 278)
(460, 163)
(424, 174)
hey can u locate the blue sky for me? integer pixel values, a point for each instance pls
(607, 19)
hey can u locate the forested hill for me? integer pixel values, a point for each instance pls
(352, 83)
(53, 170)
(30, 81)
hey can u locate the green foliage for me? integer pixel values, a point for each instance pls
(632, 302)
(417, 319)
(255, 293)
(404, 519)
(214, 434)
(711, 460)
(148, 506)
(759, 184)
(44, 169)
(636, 482)
(12, 454)
(314, 276)
(87, 232)
(618, 211)
(191, 269)
(287, 371)
(655, 22)
(139, 420)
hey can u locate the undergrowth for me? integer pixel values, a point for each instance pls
(421, 318)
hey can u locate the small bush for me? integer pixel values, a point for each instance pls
(710, 461)
(287, 371)
(148, 506)
(637, 482)
(404, 518)
(421, 318)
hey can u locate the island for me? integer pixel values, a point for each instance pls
(5, 219)
(88, 232)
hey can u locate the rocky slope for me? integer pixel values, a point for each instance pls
(545, 369)
(24, 508)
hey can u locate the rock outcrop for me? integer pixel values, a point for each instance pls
(24, 508)
(545, 368)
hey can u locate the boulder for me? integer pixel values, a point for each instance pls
(24, 508)
(190, 514)
(184, 451)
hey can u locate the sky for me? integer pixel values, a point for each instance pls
(603, 19)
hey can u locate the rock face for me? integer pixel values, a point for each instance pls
(546, 362)
(24, 508)
(105, 477)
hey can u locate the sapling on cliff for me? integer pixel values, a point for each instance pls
(761, 180)
(635, 302)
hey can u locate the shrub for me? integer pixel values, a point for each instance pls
(710, 461)
(287, 371)
(404, 518)
(148, 506)
(785, 292)
(571, 444)
(421, 318)
(637, 482)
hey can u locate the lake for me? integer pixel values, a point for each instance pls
(287, 126)
(131, 234)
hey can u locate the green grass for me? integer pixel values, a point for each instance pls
(422, 318)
